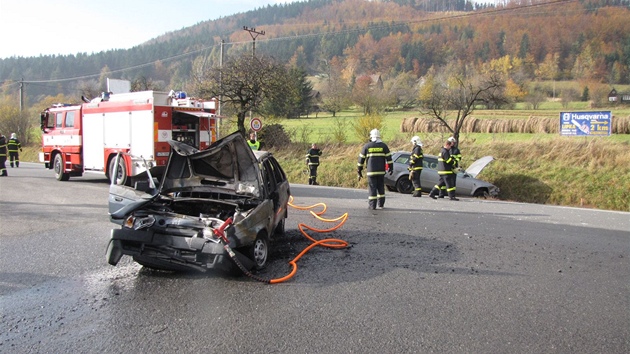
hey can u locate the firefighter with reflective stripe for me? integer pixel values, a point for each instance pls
(312, 160)
(457, 155)
(445, 171)
(252, 142)
(3, 155)
(13, 146)
(377, 158)
(415, 166)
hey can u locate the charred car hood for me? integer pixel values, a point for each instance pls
(226, 166)
(475, 168)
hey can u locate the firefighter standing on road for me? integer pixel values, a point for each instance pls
(312, 160)
(3, 155)
(415, 166)
(13, 147)
(457, 156)
(375, 155)
(445, 171)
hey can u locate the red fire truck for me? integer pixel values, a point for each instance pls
(77, 138)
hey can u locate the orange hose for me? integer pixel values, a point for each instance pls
(328, 242)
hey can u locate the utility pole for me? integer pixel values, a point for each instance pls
(254, 34)
(21, 94)
(220, 85)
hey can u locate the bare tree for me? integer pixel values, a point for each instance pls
(455, 94)
(89, 88)
(144, 83)
(567, 96)
(535, 98)
(242, 83)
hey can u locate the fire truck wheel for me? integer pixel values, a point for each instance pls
(60, 175)
(121, 176)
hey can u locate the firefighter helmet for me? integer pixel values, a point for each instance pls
(375, 134)
(416, 140)
(452, 140)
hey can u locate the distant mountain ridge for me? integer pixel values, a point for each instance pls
(565, 39)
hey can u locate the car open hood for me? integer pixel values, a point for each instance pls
(227, 166)
(475, 168)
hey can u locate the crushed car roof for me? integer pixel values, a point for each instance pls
(227, 164)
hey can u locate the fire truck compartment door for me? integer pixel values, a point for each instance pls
(205, 117)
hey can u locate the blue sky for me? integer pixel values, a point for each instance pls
(33, 27)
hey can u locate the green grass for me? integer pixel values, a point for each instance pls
(318, 129)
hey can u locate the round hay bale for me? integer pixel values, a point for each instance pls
(408, 124)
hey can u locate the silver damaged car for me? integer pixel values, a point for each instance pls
(467, 184)
(169, 225)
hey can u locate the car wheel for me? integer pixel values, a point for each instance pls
(121, 177)
(58, 167)
(481, 193)
(279, 230)
(404, 185)
(259, 251)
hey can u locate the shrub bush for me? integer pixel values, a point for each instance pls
(274, 135)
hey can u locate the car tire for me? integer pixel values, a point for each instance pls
(279, 230)
(259, 251)
(58, 167)
(404, 185)
(481, 193)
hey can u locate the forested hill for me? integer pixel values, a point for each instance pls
(552, 39)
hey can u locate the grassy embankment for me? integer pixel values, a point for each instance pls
(533, 168)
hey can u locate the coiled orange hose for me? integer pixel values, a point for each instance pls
(329, 242)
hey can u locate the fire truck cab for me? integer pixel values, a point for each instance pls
(78, 138)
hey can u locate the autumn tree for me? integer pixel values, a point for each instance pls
(402, 91)
(243, 83)
(447, 92)
(12, 120)
(336, 93)
(367, 94)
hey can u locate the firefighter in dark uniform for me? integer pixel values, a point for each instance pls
(13, 146)
(415, 166)
(312, 160)
(445, 171)
(457, 155)
(375, 155)
(3, 155)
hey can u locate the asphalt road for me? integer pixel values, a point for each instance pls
(474, 276)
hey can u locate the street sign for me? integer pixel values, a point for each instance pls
(255, 124)
(585, 123)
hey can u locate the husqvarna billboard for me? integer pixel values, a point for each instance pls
(585, 123)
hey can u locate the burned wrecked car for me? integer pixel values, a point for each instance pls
(170, 225)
